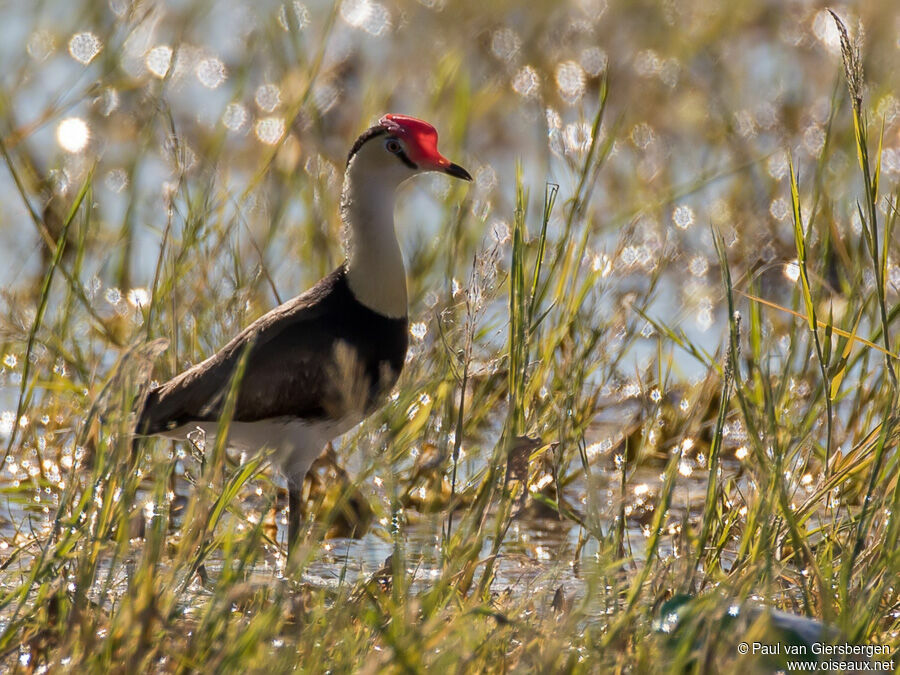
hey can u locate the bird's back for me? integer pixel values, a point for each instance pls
(322, 355)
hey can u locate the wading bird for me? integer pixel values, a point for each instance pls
(318, 364)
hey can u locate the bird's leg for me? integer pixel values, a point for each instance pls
(298, 465)
(295, 495)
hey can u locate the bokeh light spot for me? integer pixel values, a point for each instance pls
(73, 134)
(268, 97)
(235, 117)
(269, 130)
(83, 47)
(211, 72)
(372, 17)
(683, 216)
(527, 82)
(505, 44)
(570, 81)
(158, 60)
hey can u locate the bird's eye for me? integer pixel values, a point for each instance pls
(393, 145)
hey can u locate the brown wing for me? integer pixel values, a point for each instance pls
(287, 369)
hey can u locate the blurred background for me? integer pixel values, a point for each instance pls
(249, 108)
(202, 145)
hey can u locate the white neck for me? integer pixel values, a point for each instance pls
(375, 271)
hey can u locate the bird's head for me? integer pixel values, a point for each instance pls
(399, 147)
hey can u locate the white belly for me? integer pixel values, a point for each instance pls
(296, 443)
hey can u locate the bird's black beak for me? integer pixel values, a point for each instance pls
(457, 171)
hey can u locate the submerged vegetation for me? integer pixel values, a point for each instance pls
(650, 411)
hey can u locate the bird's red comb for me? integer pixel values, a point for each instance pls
(420, 137)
